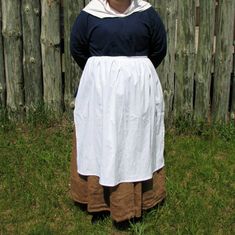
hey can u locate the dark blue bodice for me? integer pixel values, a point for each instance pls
(139, 34)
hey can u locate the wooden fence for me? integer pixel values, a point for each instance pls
(197, 74)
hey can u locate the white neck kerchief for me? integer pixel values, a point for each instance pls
(101, 8)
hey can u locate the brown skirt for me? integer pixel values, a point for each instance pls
(124, 201)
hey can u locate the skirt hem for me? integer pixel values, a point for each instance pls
(124, 181)
(127, 217)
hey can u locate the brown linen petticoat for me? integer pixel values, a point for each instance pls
(124, 201)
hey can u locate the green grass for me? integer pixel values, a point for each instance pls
(34, 183)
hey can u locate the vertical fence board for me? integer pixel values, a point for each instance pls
(168, 12)
(233, 74)
(31, 53)
(204, 60)
(223, 60)
(72, 71)
(185, 55)
(86, 2)
(2, 70)
(12, 33)
(233, 87)
(51, 54)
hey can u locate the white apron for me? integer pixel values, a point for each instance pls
(119, 120)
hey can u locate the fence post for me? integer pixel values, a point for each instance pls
(51, 54)
(2, 70)
(72, 72)
(232, 114)
(31, 53)
(204, 60)
(233, 84)
(223, 60)
(168, 12)
(12, 34)
(185, 59)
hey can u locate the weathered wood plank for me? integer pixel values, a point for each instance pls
(12, 34)
(168, 11)
(185, 59)
(2, 69)
(223, 60)
(155, 3)
(204, 60)
(233, 72)
(51, 54)
(32, 53)
(72, 71)
(233, 88)
(85, 2)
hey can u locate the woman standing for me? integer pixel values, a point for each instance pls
(118, 162)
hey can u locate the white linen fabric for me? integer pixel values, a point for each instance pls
(119, 120)
(102, 9)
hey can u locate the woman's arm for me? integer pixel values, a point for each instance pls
(79, 41)
(158, 45)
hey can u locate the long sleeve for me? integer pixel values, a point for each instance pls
(78, 40)
(158, 45)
